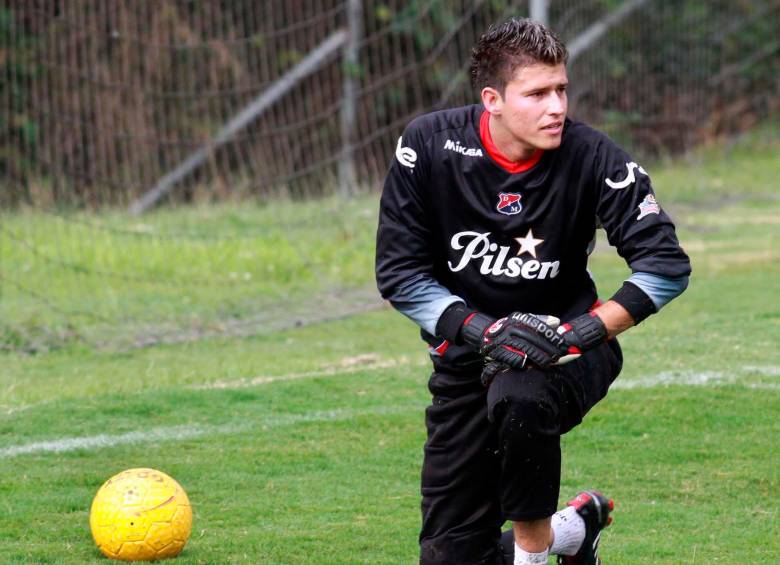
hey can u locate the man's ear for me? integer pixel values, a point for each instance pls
(492, 100)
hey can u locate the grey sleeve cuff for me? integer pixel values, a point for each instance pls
(661, 290)
(423, 300)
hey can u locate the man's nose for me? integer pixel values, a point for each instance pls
(557, 104)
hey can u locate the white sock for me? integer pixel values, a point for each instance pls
(522, 557)
(569, 531)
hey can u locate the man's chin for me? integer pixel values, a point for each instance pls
(550, 143)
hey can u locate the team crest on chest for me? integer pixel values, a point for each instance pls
(509, 203)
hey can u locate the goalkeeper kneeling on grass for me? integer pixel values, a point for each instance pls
(487, 218)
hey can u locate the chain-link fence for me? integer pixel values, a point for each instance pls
(103, 99)
(120, 104)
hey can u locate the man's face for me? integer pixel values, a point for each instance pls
(534, 106)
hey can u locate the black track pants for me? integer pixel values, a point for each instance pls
(494, 454)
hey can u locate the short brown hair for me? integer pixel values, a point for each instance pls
(510, 45)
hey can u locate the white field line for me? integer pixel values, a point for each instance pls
(177, 433)
(363, 363)
(367, 362)
(702, 378)
(372, 362)
(667, 378)
(767, 371)
(103, 440)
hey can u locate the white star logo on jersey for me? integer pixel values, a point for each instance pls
(528, 243)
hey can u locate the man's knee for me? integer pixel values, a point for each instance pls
(529, 418)
(523, 407)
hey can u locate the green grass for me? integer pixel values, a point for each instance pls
(304, 446)
(114, 280)
(745, 167)
(326, 469)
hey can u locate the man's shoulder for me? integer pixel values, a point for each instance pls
(581, 136)
(576, 132)
(443, 120)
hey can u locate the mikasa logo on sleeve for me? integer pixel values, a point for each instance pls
(496, 260)
(455, 146)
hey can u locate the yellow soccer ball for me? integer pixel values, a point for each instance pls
(140, 515)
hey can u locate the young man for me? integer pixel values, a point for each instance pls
(487, 218)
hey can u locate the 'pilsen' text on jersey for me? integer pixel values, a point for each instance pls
(495, 260)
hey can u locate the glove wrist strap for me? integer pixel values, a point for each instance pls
(590, 329)
(635, 301)
(451, 320)
(474, 327)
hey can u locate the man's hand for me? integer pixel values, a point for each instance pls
(581, 334)
(490, 370)
(520, 338)
(514, 341)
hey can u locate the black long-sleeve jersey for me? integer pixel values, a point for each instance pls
(506, 241)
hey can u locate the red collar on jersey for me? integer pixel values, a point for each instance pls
(509, 166)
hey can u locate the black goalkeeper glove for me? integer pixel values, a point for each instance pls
(540, 340)
(543, 349)
(520, 338)
(510, 342)
(507, 340)
(580, 335)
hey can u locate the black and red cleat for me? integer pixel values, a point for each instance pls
(594, 508)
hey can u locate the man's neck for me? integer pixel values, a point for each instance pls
(507, 144)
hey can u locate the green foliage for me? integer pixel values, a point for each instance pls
(675, 74)
(103, 101)
(19, 133)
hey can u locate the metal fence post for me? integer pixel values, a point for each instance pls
(539, 10)
(351, 70)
